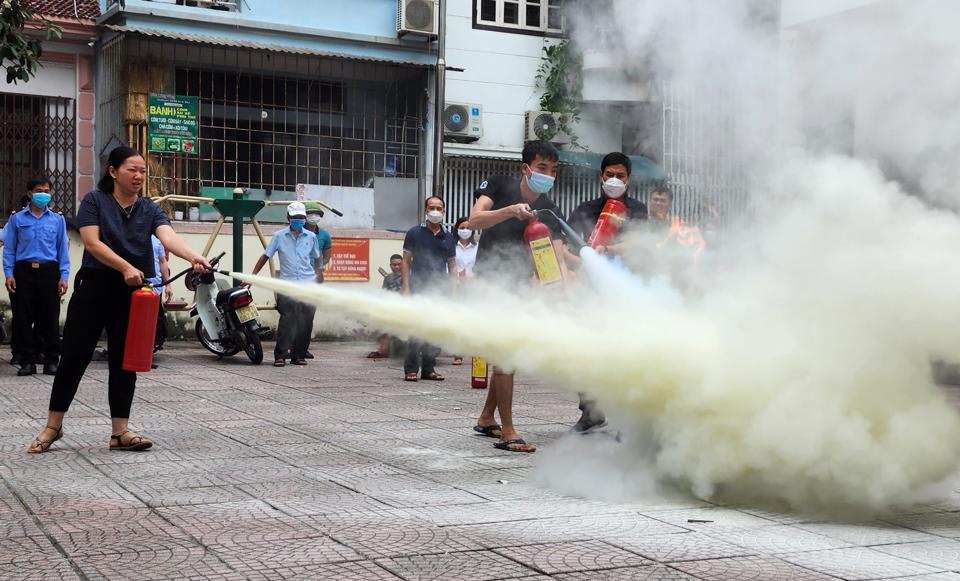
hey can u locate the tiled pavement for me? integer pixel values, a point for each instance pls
(340, 470)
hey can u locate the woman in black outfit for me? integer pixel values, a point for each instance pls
(115, 226)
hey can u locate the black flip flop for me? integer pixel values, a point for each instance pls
(515, 442)
(488, 430)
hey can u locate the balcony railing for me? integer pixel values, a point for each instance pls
(223, 5)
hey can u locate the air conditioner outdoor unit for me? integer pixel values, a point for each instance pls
(462, 122)
(417, 17)
(545, 125)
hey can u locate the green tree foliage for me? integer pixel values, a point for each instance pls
(20, 52)
(560, 78)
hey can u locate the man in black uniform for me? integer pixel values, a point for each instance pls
(614, 182)
(502, 210)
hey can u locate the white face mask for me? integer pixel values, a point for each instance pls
(313, 218)
(614, 188)
(464, 233)
(434, 216)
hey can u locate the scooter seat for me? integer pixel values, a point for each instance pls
(224, 295)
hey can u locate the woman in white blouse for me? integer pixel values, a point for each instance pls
(466, 249)
(466, 257)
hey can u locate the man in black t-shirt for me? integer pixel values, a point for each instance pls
(614, 181)
(502, 210)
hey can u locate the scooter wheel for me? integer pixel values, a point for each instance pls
(213, 346)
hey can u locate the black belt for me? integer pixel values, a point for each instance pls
(36, 265)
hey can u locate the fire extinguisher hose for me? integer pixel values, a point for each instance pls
(570, 232)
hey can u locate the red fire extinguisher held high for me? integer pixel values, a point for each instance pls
(141, 330)
(608, 224)
(540, 247)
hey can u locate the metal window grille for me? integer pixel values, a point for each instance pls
(37, 140)
(702, 155)
(275, 132)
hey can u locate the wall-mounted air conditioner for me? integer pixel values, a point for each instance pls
(462, 122)
(544, 125)
(419, 17)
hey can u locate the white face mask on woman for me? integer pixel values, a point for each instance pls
(614, 187)
(313, 218)
(464, 233)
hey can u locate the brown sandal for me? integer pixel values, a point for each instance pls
(410, 376)
(38, 446)
(432, 376)
(134, 443)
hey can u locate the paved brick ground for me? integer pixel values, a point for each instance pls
(340, 470)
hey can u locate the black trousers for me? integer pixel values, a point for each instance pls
(294, 329)
(14, 335)
(36, 312)
(161, 335)
(100, 300)
(421, 357)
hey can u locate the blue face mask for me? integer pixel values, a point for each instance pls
(540, 183)
(297, 223)
(41, 199)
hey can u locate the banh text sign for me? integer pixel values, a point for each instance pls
(172, 123)
(350, 261)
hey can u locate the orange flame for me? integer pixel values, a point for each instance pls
(685, 235)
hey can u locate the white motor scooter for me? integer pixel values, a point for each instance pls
(227, 319)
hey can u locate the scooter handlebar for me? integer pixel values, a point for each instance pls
(216, 259)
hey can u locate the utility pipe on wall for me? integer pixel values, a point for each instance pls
(439, 99)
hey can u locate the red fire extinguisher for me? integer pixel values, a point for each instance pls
(478, 374)
(141, 330)
(608, 224)
(540, 246)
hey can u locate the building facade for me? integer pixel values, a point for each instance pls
(47, 123)
(329, 96)
(672, 132)
(495, 49)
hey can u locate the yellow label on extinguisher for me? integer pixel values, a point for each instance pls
(545, 261)
(479, 365)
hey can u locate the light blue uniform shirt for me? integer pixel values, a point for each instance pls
(297, 255)
(34, 239)
(158, 251)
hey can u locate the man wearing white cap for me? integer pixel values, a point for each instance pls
(300, 260)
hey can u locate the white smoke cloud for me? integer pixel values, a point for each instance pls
(801, 375)
(793, 364)
(879, 82)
